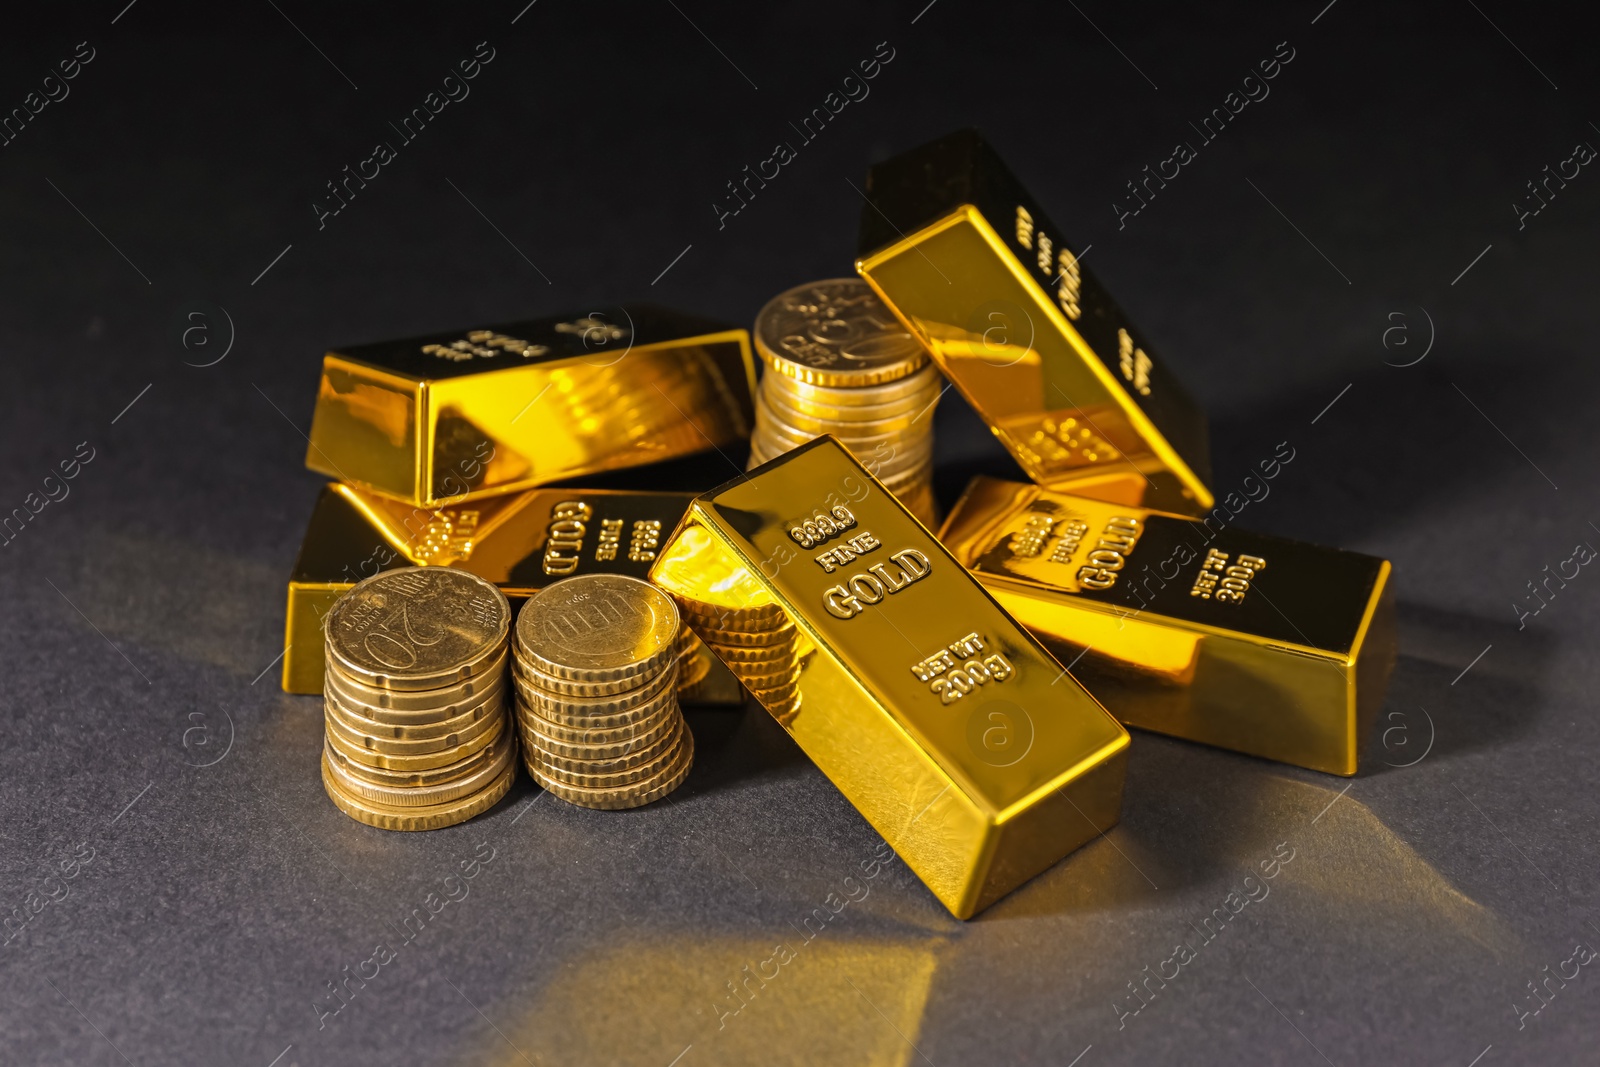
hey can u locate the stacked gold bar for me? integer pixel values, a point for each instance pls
(414, 699)
(839, 363)
(596, 670)
(519, 541)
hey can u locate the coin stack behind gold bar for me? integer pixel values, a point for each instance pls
(596, 665)
(839, 362)
(415, 699)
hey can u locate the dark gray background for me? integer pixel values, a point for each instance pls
(144, 612)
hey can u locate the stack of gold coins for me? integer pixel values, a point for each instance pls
(759, 645)
(732, 616)
(839, 362)
(596, 670)
(415, 699)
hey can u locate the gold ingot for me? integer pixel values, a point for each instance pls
(980, 773)
(1075, 392)
(1258, 644)
(521, 542)
(453, 416)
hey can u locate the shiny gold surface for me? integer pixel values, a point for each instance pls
(948, 727)
(1280, 650)
(521, 542)
(453, 417)
(969, 262)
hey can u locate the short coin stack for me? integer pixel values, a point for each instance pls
(737, 621)
(415, 699)
(839, 362)
(596, 668)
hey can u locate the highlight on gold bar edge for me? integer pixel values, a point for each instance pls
(949, 727)
(1187, 627)
(520, 542)
(463, 414)
(974, 268)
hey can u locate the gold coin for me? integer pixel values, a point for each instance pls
(503, 753)
(639, 713)
(450, 772)
(758, 658)
(576, 706)
(644, 740)
(389, 746)
(616, 757)
(588, 734)
(417, 628)
(357, 720)
(422, 706)
(756, 618)
(660, 761)
(524, 671)
(924, 382)
(597, 628)
(633, 796)
(430, 761)
(694, 667)
(835, 333)
(720, 639)
(432, 817)
(913, 420)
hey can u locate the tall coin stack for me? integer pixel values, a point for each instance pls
(596, 669)
(415, 699)
(839, 362)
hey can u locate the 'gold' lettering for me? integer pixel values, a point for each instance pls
(858, 592)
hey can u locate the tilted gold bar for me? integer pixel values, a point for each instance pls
(947, 725)
(455, 416)
(1258, 644)
(970, 263)
(521, 542)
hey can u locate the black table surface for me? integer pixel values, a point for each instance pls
(1356, 265)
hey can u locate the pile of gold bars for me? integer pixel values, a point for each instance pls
(922, 673)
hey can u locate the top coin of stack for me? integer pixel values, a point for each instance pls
(839, 362)
(415, 699)
(596, 670)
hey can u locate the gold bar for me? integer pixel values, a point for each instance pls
(1077, 394)
(455, 416)
(947, 725)
(521, 542)
(1266, 646)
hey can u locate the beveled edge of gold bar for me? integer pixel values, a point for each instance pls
(1188, 478)
(1093, 784)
